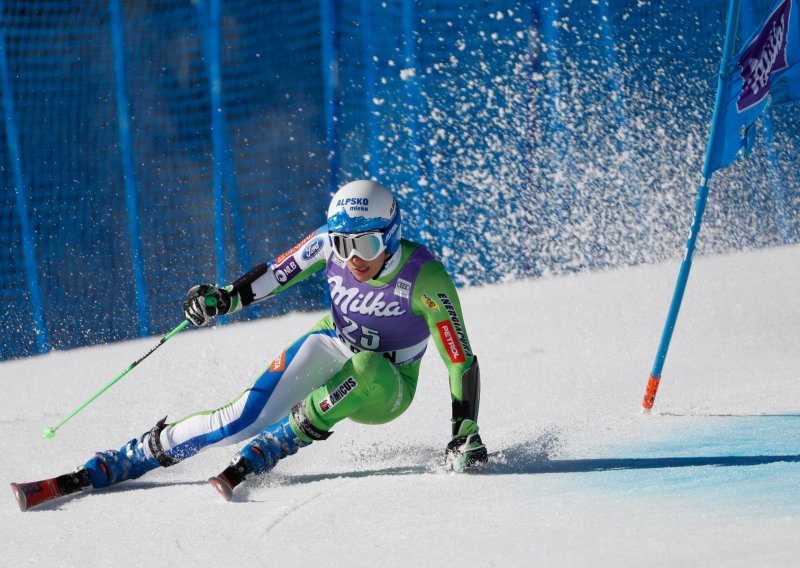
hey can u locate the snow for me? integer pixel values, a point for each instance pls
(578, 475)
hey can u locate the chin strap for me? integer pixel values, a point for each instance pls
(386, 263)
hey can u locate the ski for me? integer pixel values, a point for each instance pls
(35, 493)
(223, 486)
(227, 481)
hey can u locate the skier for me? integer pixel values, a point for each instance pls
(388, 296)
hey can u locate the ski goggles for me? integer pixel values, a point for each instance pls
(366, 246)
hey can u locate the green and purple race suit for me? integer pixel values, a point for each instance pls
(361, 361)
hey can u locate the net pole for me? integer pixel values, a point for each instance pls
(208, 22)
(370, 90)
(224, 174)
(22, 198)
(129, 171)
(329, 23)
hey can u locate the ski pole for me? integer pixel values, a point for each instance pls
(51, 431)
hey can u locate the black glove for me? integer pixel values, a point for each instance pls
(205, 301)
(466, 447)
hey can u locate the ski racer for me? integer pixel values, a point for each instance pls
(361, 361)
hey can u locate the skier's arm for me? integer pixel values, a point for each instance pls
(264, 281)
(435, 299)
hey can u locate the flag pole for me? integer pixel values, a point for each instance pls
(734, 9)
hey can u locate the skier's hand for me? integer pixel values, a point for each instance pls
(205, 301)
(466, 447)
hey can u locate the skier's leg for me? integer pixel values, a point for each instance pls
(308, 363)
(305, 365)
(367, 389)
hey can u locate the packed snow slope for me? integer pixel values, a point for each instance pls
(577, 477)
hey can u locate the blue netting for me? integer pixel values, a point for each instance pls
(522, 138)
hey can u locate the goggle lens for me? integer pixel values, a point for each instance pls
(366, 245)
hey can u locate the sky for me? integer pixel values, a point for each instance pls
(577, 475)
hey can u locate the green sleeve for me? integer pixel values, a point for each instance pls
(434, 297)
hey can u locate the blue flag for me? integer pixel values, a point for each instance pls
(767, 68)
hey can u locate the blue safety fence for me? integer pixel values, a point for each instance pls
(149, 146)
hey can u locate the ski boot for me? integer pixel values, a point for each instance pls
(130, 461)
(264, 451)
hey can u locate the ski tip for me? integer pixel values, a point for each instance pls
(222, 487)
(19, 494)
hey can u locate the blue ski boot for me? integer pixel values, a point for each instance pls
(264, 451)
(130, 461)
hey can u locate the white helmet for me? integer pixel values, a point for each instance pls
(365, 206)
